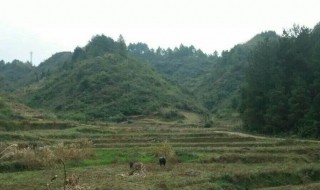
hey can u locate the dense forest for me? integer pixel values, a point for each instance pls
(214, 80)
(272, 81)
(281, 94)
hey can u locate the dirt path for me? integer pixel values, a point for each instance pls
(262, 137)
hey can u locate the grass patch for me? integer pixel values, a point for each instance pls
(30, 125)
(17, 137)
(267, 179)
(187, 157)
(255, 158)
(94, 131)
(115, 156)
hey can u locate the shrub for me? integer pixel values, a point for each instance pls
(171, 115)
(208, 124)
(165, 150)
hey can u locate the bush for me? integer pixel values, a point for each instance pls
(171, 115)
(165, 150)
(208, 124)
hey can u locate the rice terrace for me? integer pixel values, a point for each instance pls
(197, 157)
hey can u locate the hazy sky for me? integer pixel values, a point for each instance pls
(49, 26)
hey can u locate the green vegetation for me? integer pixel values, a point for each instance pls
(94, 110)
(213, 80)
(197, 158)
(16, 75)
(55, 63)
(5, 112)
(107, 85)
(281, 95)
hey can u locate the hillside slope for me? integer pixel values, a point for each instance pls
(107, 85)
(214, 80)
(220, 88)
(16, 75)
(54, 63)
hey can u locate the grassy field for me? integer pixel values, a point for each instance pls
(198, 158)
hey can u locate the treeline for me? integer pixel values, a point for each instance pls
(281, 94)
(182, 65)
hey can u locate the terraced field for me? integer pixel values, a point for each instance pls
(204, 158)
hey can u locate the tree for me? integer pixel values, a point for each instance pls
(122, 46)
(99, 45)
(282, 93)
(78, 54)
(259, 81)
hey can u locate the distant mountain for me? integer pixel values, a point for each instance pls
(214, 80)
(106, 80)
(16, 75)
(102, 82)
(220, 88)
(183, 66)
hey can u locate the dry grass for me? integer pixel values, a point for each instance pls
(36, 159)
(75, 151)
(47, 156)
(197, 158)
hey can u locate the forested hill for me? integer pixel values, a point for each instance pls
(182, 65)
(214, 80)
(273, 81)
(282, 91)
(219, 88)
(16, 75)
(107, 80)
(54, 63)
(100, 81)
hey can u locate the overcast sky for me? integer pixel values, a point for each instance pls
(49, 26)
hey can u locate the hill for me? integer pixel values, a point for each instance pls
(111, 81)
(107, 85)
(5, 112)
(220, 88)
(214, 80)
(183, 65)
(54, 63)
(16, 75)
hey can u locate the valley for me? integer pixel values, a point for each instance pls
(245, 119)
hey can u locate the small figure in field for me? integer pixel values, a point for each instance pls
(137, 168)
(162, 161)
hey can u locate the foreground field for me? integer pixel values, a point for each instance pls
(202, 158)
